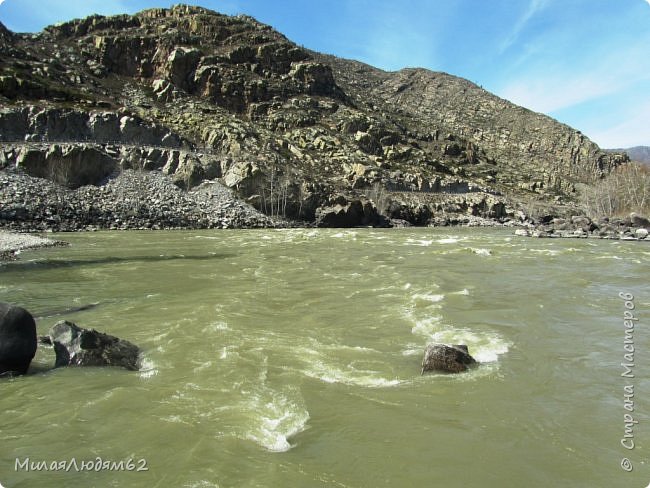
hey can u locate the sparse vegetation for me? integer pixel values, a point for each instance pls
(379, 196)
(625, 190)
(275, 196)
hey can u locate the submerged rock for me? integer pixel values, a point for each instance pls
(75, 346)
(447, 358)
(17, 339)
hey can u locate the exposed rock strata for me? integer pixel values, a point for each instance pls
(198, 96)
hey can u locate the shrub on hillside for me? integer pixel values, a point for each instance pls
(625, 190)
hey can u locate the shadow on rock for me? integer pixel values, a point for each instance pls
(75, 346)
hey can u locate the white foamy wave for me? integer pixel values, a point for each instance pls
(219, 325)
(200, 484)
(481, 251)
(464, 291)
(147, 368)
(230, 353)
(325, 362)
(448, 240)
(202, 366)
(412, 350)
(428, 326)
(350, 234)
(329, 373)
(485, 347)
(427, 297)
(175, 419)
(419, 242)
(276, 418)
(547, 252)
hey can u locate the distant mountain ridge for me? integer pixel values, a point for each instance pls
(637, 153)
(273, 121)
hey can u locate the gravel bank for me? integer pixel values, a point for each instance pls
(132, 200)
(11, 243)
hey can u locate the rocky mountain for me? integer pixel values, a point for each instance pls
(197, 96)
(640, 154)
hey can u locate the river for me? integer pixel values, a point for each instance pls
(291, 358)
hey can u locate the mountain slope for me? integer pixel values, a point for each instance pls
(637, 153)
(212, 96)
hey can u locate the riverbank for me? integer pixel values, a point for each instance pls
(131, 200)
(12, 244)
(631, 228)
(139, 200)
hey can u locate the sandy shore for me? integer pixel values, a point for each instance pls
(12, 243)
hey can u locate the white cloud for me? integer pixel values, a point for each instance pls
(533, 8)
(553, 93)
(632, 132)
(387, 36)
(551, 87)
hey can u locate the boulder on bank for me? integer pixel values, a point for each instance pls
(75, 346)
(344, 212)
(639, 221)
(17, 339)
(447, 358)
(634, 227)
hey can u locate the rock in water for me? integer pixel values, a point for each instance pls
(75, 346)
(447, 358)
(18, 340)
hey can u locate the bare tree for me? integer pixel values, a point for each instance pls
(625, 190)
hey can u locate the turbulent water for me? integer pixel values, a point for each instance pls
(291, 358)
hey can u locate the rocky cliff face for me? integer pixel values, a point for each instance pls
(199, 95)
(639, 154)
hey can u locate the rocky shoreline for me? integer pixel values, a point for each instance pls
(141, 200)
(131, 200)
(631, 228)
(12, 244)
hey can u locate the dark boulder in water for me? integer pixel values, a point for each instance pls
(18, 340)
(447, 358)
(75, 346)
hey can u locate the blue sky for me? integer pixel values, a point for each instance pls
(583, 62)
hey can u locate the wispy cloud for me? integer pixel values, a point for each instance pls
(557, 91)
(632, 132)
(551, 86)
(390, 37)
(533, 8)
